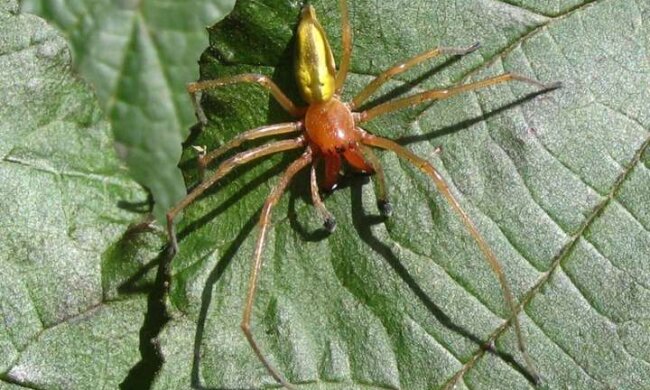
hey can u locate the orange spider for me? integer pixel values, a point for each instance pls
(329, 130)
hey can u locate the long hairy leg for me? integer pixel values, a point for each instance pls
(439, 94)
(329, 222)
(264, 131)
(406, 65)
(442, 187)
(346, 41)
(383, 203)
(223, 170)
(195, 89)
(256, 264)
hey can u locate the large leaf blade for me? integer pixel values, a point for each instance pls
(139, 56)
(408, 303)
(65, 201)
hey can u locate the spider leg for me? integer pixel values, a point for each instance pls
(346, 41)
(223, 170)
(439, 94)
(442, 187)
(264, 221)
(264, 131)
(383, 203)
(329, 222)
(195, 89)
(406, 65)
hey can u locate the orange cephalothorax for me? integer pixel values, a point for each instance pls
(331, 133)
(330, 126)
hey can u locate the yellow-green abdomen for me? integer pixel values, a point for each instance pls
(315, 67)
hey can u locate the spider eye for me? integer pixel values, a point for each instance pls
(315, 68)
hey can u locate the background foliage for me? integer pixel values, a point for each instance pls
(139, 55)
(70, 316)
(557, 182)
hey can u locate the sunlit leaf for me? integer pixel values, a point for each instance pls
(66, 202)
(556, 182)
(139, 55)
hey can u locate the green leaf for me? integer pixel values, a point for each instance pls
(66, 204)
(139, 56)
(557, 182)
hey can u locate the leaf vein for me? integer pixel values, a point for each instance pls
(163, 72)
(98, 178)
(489, 61)
(112, 97)
(567, 248)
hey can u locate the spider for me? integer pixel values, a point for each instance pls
(328, 130)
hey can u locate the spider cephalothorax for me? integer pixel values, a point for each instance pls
(331, 133)
(330, 130)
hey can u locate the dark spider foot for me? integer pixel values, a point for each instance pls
(385, 208)
(330, 224)
(328, 190)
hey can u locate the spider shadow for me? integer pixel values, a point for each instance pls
(409, 85)
(235, 198)
(138, 207)
(300, 190)
(283, 76)
(362, 223)
(275, 114)
(227, 255)
(463, 125)
(206, 297)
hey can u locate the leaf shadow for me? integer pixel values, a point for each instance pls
(143, 373)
